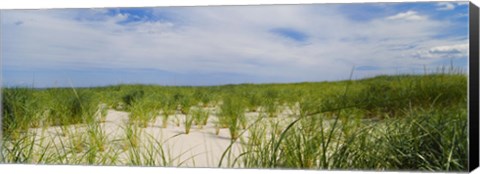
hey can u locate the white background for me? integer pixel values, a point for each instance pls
(64, 169)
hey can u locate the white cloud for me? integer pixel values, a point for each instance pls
(446, 51)
(463, 3)
(408, 16)
(450, 5)
(229, 39)
(445, 6)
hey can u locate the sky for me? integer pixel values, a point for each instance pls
(215, 45)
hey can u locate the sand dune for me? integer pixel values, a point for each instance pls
(202, 147)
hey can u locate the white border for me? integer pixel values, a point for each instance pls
(62, 169)
(72, 169)
(35, 4)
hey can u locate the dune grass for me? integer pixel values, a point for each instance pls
(401, 122)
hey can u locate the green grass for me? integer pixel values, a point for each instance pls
(200, 117)
(420, 126)
(401, 122)
(188, 122)
(143, 112)
(168, 108)
(231, 115)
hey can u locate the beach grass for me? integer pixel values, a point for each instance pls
(388, 122)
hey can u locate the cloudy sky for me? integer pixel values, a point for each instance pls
(229, 44)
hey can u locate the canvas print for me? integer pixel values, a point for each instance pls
(359, 86)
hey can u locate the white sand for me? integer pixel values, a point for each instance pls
(200, 148)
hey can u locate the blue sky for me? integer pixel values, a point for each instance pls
(229, 44)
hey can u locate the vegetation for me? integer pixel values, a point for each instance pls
(401, 122)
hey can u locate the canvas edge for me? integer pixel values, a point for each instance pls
(473, 87)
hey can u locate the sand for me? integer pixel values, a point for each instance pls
(202, 147)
